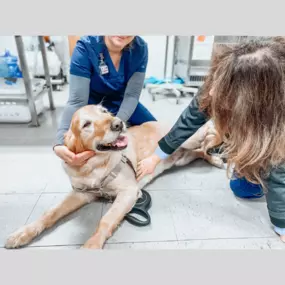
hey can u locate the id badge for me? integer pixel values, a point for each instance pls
(104, 69)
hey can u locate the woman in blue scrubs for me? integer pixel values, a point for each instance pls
(109, 70)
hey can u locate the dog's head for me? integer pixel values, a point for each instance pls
(94, 128)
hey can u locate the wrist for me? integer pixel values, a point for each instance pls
(156, 158)
(280, 231)
(160, 154)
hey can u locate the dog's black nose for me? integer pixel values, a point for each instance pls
(117, 125)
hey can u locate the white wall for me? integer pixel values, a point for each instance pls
(8, 42)
(156, 49)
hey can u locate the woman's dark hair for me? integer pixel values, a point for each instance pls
(244, 94)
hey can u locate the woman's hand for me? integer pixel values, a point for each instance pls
(71, 158)
(147, 166)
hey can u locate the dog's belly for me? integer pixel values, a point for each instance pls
(145, 138)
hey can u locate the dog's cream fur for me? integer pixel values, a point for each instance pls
(91, 126)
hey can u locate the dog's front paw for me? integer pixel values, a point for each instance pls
(21, 237)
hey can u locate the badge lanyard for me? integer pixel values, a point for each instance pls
(103, 66)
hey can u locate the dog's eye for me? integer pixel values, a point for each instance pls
(86, 124)
(104, 111)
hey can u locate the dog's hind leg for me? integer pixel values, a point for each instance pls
(214, 160)
(26, 234)
(180, 158)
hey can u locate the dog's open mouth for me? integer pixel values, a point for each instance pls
(119, 144)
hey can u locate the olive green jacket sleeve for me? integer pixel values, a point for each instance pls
(276, 196)
(187, 124)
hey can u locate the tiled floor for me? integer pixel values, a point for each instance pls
(193, 207)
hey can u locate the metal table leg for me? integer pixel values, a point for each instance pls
(174, 57)
(165, 62)
(190, 57)
(46, 68)
(27, 80)
(166, 56)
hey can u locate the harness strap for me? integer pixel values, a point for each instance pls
(112, 175)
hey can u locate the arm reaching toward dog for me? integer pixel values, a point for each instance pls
(186, 125)
(133, 90)
(79, 87)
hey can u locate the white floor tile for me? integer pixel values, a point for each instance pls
(218, 214)
(75, 229)
(25, 170)
(237, 244)
(14, 212)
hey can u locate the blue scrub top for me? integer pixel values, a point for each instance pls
(85, 62)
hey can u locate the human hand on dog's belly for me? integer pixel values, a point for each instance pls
(147, 166)
(71, 158)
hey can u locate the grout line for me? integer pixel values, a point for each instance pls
(33, 208)
(233, 238)
(33, 193)
(149, 190)
(57, 192)
(187, 189)
(157, 241)
(14, 193)
(53, 245)
(189, 240)
(44, 188)
(142, 242)
(40, 246)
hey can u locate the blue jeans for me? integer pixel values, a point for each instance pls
(244, 189)
(141, 115)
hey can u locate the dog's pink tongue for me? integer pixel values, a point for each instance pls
(121, 141)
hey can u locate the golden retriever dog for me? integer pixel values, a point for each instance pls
(111, 173)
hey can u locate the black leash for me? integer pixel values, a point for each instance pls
(141, 208)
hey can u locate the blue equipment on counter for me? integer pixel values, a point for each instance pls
(9, 67)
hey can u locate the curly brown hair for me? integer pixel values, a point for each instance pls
(244, 94)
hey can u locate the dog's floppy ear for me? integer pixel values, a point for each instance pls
(72, 138)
